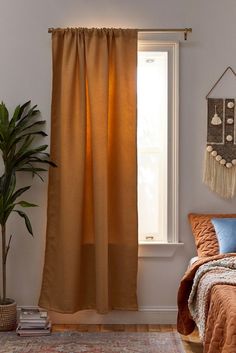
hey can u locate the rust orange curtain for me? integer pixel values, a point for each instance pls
(92, 243)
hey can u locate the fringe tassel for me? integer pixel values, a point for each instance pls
(219, 178)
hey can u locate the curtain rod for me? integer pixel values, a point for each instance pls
(156, 30)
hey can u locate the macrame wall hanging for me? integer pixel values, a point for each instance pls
(220, 156)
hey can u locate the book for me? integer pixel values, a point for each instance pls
(32, 314)
(34, 321)
(33, 331)
(29, 325)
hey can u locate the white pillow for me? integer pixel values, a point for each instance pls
(192, 260)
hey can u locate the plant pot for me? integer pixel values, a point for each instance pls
(8, 316)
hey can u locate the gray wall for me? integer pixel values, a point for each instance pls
(25, 72)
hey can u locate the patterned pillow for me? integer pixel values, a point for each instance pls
(204, 232)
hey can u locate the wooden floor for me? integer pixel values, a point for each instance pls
(191, 343)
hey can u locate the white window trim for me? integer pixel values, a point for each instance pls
(158, 249)
(152, 249)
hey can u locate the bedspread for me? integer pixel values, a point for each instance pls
(221, 271)
(220, 333)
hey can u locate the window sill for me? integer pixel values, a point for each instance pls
(153, 249)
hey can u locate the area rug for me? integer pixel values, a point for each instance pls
(86, 342)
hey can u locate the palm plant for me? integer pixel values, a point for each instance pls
(16, 139)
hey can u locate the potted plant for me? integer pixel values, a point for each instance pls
(19, 154)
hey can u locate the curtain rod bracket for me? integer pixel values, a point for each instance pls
(185, 34)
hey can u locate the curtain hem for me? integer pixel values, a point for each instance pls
(89, 307)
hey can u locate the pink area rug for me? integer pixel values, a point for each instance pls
(86, 342)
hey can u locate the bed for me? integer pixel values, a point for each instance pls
(207, 292)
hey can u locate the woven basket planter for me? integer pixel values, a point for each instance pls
(8, 316)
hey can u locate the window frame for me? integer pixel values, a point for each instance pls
(172, 47)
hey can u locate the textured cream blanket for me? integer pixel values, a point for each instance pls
(222, 271)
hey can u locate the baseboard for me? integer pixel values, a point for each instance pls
(145, 315)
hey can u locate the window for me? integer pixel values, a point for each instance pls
(158, 141)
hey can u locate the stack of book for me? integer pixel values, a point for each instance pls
(33, 322)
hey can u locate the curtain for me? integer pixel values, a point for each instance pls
(92, 244)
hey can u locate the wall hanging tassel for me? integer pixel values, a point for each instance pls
(218, 177)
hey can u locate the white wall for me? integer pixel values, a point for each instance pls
(25, 73)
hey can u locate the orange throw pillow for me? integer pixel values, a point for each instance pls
(204, 232)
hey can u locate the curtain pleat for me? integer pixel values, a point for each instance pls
(92, 243)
